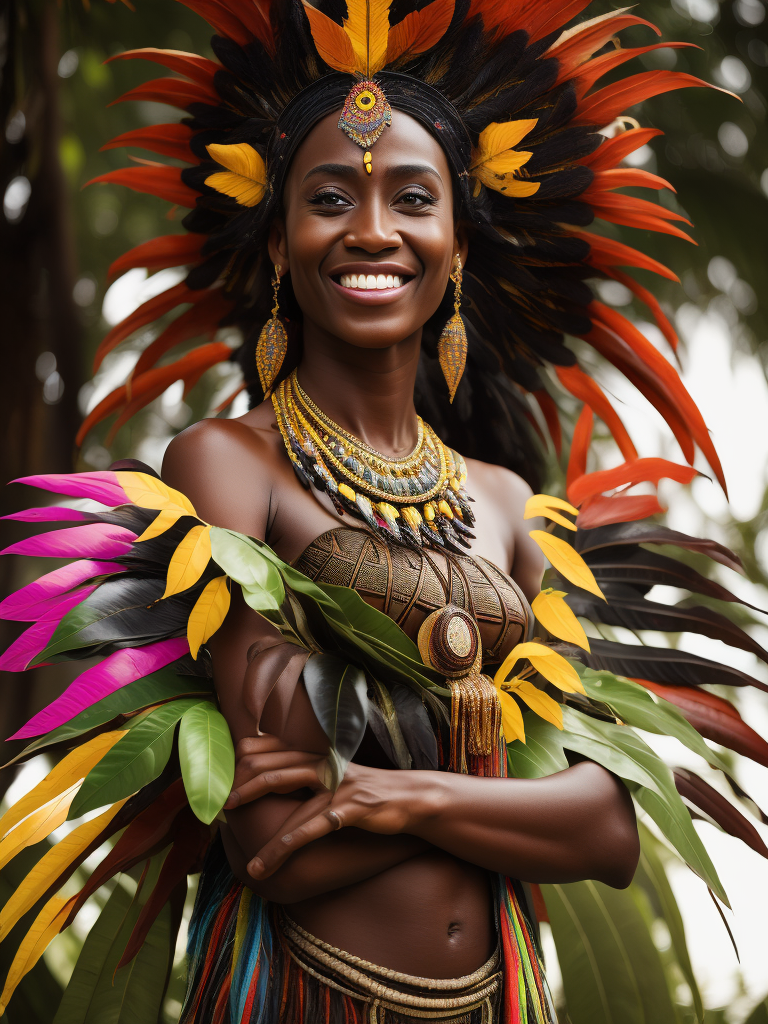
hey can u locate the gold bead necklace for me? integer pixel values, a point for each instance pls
(419, 499)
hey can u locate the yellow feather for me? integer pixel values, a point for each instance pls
(189, 561)
(148, 492)
(495, 161)
(543, 505)
(71, 769)
(163, 521)
(511, 718)
(53, 868)
(45, 927)
(208, 614)
(567, 562)
(38, 825)
(558, 619)
(547, 662)
(246, 176)
(539, 702)
(367, 25)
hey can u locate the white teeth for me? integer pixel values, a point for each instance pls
(369, 282)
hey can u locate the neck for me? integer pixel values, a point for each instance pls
(368, 392)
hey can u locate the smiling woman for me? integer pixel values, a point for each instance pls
(339, 588)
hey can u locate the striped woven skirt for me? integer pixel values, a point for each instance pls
(250, 964)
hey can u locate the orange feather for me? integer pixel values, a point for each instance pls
(637, 213)
(650, 300)
(202, 319)
(607, 103)
(586, 75)
(634, 471)
(176, 92)
(582, 436)
(147, 313)
(611, 152)
(221, 19)
(583, 387)
(164, 182)
(159, 253)
(168, 139)
(332, 42)
(551, 415)
(578, 44)
(607, 252)
(626, 177)
(420, 30)
(199, 69)
(618, 508)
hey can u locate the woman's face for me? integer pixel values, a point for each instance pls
(343, 225)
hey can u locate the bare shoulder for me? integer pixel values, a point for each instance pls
(500, 485)
(227, 469)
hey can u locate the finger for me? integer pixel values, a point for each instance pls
(258, 745)
(272, 856)
(251, 765)
(305, 812)
(285, 780)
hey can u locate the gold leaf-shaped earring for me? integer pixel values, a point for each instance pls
(452, 344)
(272, 344)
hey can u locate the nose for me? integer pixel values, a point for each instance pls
(372, 228)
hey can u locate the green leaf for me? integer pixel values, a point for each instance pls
(622, 751)
(652, 876)
(338, 693)
(207, 760)
(244, 561)
(541, 754)
(636, 706)
(161, 686)
(135, 760)
(759, 1014)
(612, 972)
(98, 993)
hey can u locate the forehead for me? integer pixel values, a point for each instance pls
(404, 140)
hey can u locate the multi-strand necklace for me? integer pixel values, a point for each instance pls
(419, 500)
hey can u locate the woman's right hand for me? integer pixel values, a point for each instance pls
(257, 758)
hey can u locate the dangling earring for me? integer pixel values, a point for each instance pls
(272, 344)
(452, 345)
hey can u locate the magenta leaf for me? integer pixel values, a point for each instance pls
(36, 599)
(95, 540)
(48, 514)
(95, 683)
(32, 641)
(101, 486)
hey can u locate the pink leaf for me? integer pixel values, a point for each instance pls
(48, 514)
(36, 599)
(96, 540)
(32, 641)
(95, 683)
(101, 486)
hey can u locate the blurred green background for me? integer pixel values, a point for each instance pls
(57, 241)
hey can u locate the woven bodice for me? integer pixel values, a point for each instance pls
(409, 584)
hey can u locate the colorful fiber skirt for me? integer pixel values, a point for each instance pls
(249, 963)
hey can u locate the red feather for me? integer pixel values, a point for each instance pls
(159, 253)
(636, 213)
(577, 44)
(619, 508)
(551, 416)
(636, 471)
(176, 92)
(202, 319)
(666, 373)
(138, 393)
(583, 387)
(613, 151)
(240, 20)
(168, 139)
(650, 301)
(149, 311)
(586, 76)
(164, 182)
(199, 69)
(604, 105)
(536, 17)
(607, 252)
(626, 177)
(582, 435)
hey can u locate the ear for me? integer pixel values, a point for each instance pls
(461, 243)
(277, 245)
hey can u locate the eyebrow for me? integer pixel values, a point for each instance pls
(348, 171)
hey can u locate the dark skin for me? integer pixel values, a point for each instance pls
(404, 882)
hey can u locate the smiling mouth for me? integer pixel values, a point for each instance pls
(372, 282)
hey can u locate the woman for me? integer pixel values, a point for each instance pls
(405, 884)
(361, 173)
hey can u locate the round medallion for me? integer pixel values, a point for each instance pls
(449, 641)
(457, 637)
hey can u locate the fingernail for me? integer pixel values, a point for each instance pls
(256, 867)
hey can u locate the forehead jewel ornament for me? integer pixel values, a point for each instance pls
(364, 116)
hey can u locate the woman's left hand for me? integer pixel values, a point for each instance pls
(373, 799)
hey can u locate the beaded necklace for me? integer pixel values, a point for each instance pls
(419, 500)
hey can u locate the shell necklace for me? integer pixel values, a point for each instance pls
(419, 500)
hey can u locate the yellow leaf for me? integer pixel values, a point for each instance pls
(72, 768)
(45, 927)
(549, 663)
(149, 492)
(511, 718)
(163, 521)
(246, 176)
(543, 505)
(567, 561)
(53, 868)
(497, 138)
(367, 25)
(495, 162)
(38, 825)
(189, 561)
(538, 701)
(208, 614)
(558, 619)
